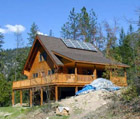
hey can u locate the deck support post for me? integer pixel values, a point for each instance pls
(41, 96)
(95, 73)
(13, 97)
(21, 97)
(31, 94)
(76, 89)
(75, 72)
(56, 93)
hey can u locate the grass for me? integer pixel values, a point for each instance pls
(13, 111)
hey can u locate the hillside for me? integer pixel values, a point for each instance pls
(94, 105)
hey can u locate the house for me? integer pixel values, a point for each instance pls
(64, 65)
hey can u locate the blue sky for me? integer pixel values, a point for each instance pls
(52, 14)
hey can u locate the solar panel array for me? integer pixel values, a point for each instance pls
(79, 45)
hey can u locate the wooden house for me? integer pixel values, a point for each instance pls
(64, 65)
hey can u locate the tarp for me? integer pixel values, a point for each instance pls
(98, 84)
(85, 89)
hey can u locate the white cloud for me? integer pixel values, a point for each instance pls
(40, 33)
(12, 28)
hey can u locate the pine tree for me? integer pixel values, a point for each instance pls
(70, 28)
(33, 31)
(84, 24)
(122, 36)
(92, 26)
(1, 52)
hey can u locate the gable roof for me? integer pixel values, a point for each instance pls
(55, 46)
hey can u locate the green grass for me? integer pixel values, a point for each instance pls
(59, 117)
(14, 111)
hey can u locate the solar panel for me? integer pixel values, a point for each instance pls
(79, 45)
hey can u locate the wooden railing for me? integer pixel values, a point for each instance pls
(119, 81)
(85, 78)
(53, 79)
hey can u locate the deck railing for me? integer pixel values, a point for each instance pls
(53, 79)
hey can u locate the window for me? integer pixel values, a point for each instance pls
(71, 71)
(50, 72)
(43, 56)
(35, 75)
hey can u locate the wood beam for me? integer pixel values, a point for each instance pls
(31, 98)
(75, 72)
(41, 96)
(76, 89)
(95, 72)
(20, 97)
(56, 93)
(13, 98)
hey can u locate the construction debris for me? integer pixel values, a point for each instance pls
(62, 111)
(98, 84)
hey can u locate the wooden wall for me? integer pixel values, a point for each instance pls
(40, 66)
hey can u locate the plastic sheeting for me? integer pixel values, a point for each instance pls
(85, 89)
(98, 84)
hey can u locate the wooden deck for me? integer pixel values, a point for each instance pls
(55, 79)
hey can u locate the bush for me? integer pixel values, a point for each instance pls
(129, 94)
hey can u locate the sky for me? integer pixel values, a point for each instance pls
(52, 14)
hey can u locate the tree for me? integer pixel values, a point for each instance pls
(84, 24)
(93, 27)
(33, 31)
(1, 52)
(111, 37)
(80, 26)
(122, 36)
(70, 28)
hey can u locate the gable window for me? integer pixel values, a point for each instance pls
(43, 56)
(35, 75)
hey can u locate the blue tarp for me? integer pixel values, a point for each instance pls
(98, 84)
(85, 89)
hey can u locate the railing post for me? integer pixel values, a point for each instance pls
(75, 72)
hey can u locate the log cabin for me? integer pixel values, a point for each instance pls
(65, 66)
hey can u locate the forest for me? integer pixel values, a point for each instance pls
(116, 44)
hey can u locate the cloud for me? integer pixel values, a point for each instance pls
(12, 28)
(40, 33)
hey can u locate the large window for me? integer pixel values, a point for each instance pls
(43, 56)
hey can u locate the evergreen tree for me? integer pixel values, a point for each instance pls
(122, 36)
(84, 24)
(93, 27)
(33, 31)
(1, 52)
(70, 29)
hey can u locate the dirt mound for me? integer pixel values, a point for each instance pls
(83, 104)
